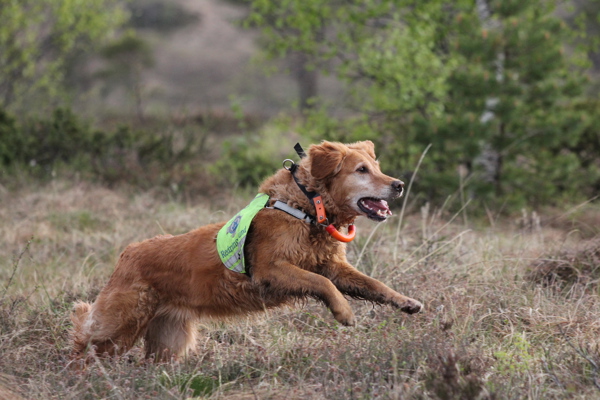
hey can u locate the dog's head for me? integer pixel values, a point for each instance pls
(353, 180)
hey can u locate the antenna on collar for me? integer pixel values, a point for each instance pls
(300, 150)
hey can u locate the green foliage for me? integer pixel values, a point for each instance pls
(519, 360)
(384, 50)
(493, 91)
(39, 40)
(41, 146)
(43, 142)
(61, 138)
(515, 97)
(10, 140)
(197, 385)
(248, 159)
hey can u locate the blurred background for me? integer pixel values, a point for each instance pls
(497, 98)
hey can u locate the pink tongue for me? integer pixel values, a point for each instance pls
(377, 205)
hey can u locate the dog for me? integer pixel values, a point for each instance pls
(162, 286)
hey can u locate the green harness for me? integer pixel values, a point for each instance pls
(232, 236)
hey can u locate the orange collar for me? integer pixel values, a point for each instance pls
(322, 220)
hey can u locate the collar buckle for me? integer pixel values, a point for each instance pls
(288, 164)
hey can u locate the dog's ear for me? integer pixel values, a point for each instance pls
(326, 159)
(365, 145)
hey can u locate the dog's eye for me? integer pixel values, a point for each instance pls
(362, 170)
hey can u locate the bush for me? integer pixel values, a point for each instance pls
(62, 138)
(579, 265)
(123, 155)
(10, 139)
(248, 159)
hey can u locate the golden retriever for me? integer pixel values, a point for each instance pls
(162, 286)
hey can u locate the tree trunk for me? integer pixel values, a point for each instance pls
(307, 80)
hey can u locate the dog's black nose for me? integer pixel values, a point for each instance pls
(398, 185)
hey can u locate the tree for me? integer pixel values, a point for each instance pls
(388, 44)
(127, 59)
(515, 97)
(39, 38)
(585, 15)
(496, 95)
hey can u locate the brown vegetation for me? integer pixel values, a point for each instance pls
(577, 265)
(486, 331)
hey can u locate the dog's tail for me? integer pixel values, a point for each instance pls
(80, 334)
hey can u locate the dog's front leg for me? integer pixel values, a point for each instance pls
(284, 278)
(354, 283)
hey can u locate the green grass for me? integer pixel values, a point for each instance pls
(490, 329)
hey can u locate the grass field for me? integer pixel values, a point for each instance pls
(512, 307)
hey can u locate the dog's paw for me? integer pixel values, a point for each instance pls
(411, 306)
(348, 321)
(345, 318)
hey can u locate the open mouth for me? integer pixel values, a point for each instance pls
(375, 209)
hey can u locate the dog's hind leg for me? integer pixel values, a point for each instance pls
(114, 322)
(171, 333)
(80, 335)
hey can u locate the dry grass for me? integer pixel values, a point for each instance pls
(574, 267)
(487, 333)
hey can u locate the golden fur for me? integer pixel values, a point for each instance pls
(162, 286)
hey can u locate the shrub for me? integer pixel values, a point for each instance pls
(579, 265)
(10, 139)
(123, 155)
(61, 138)
(248, 159)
